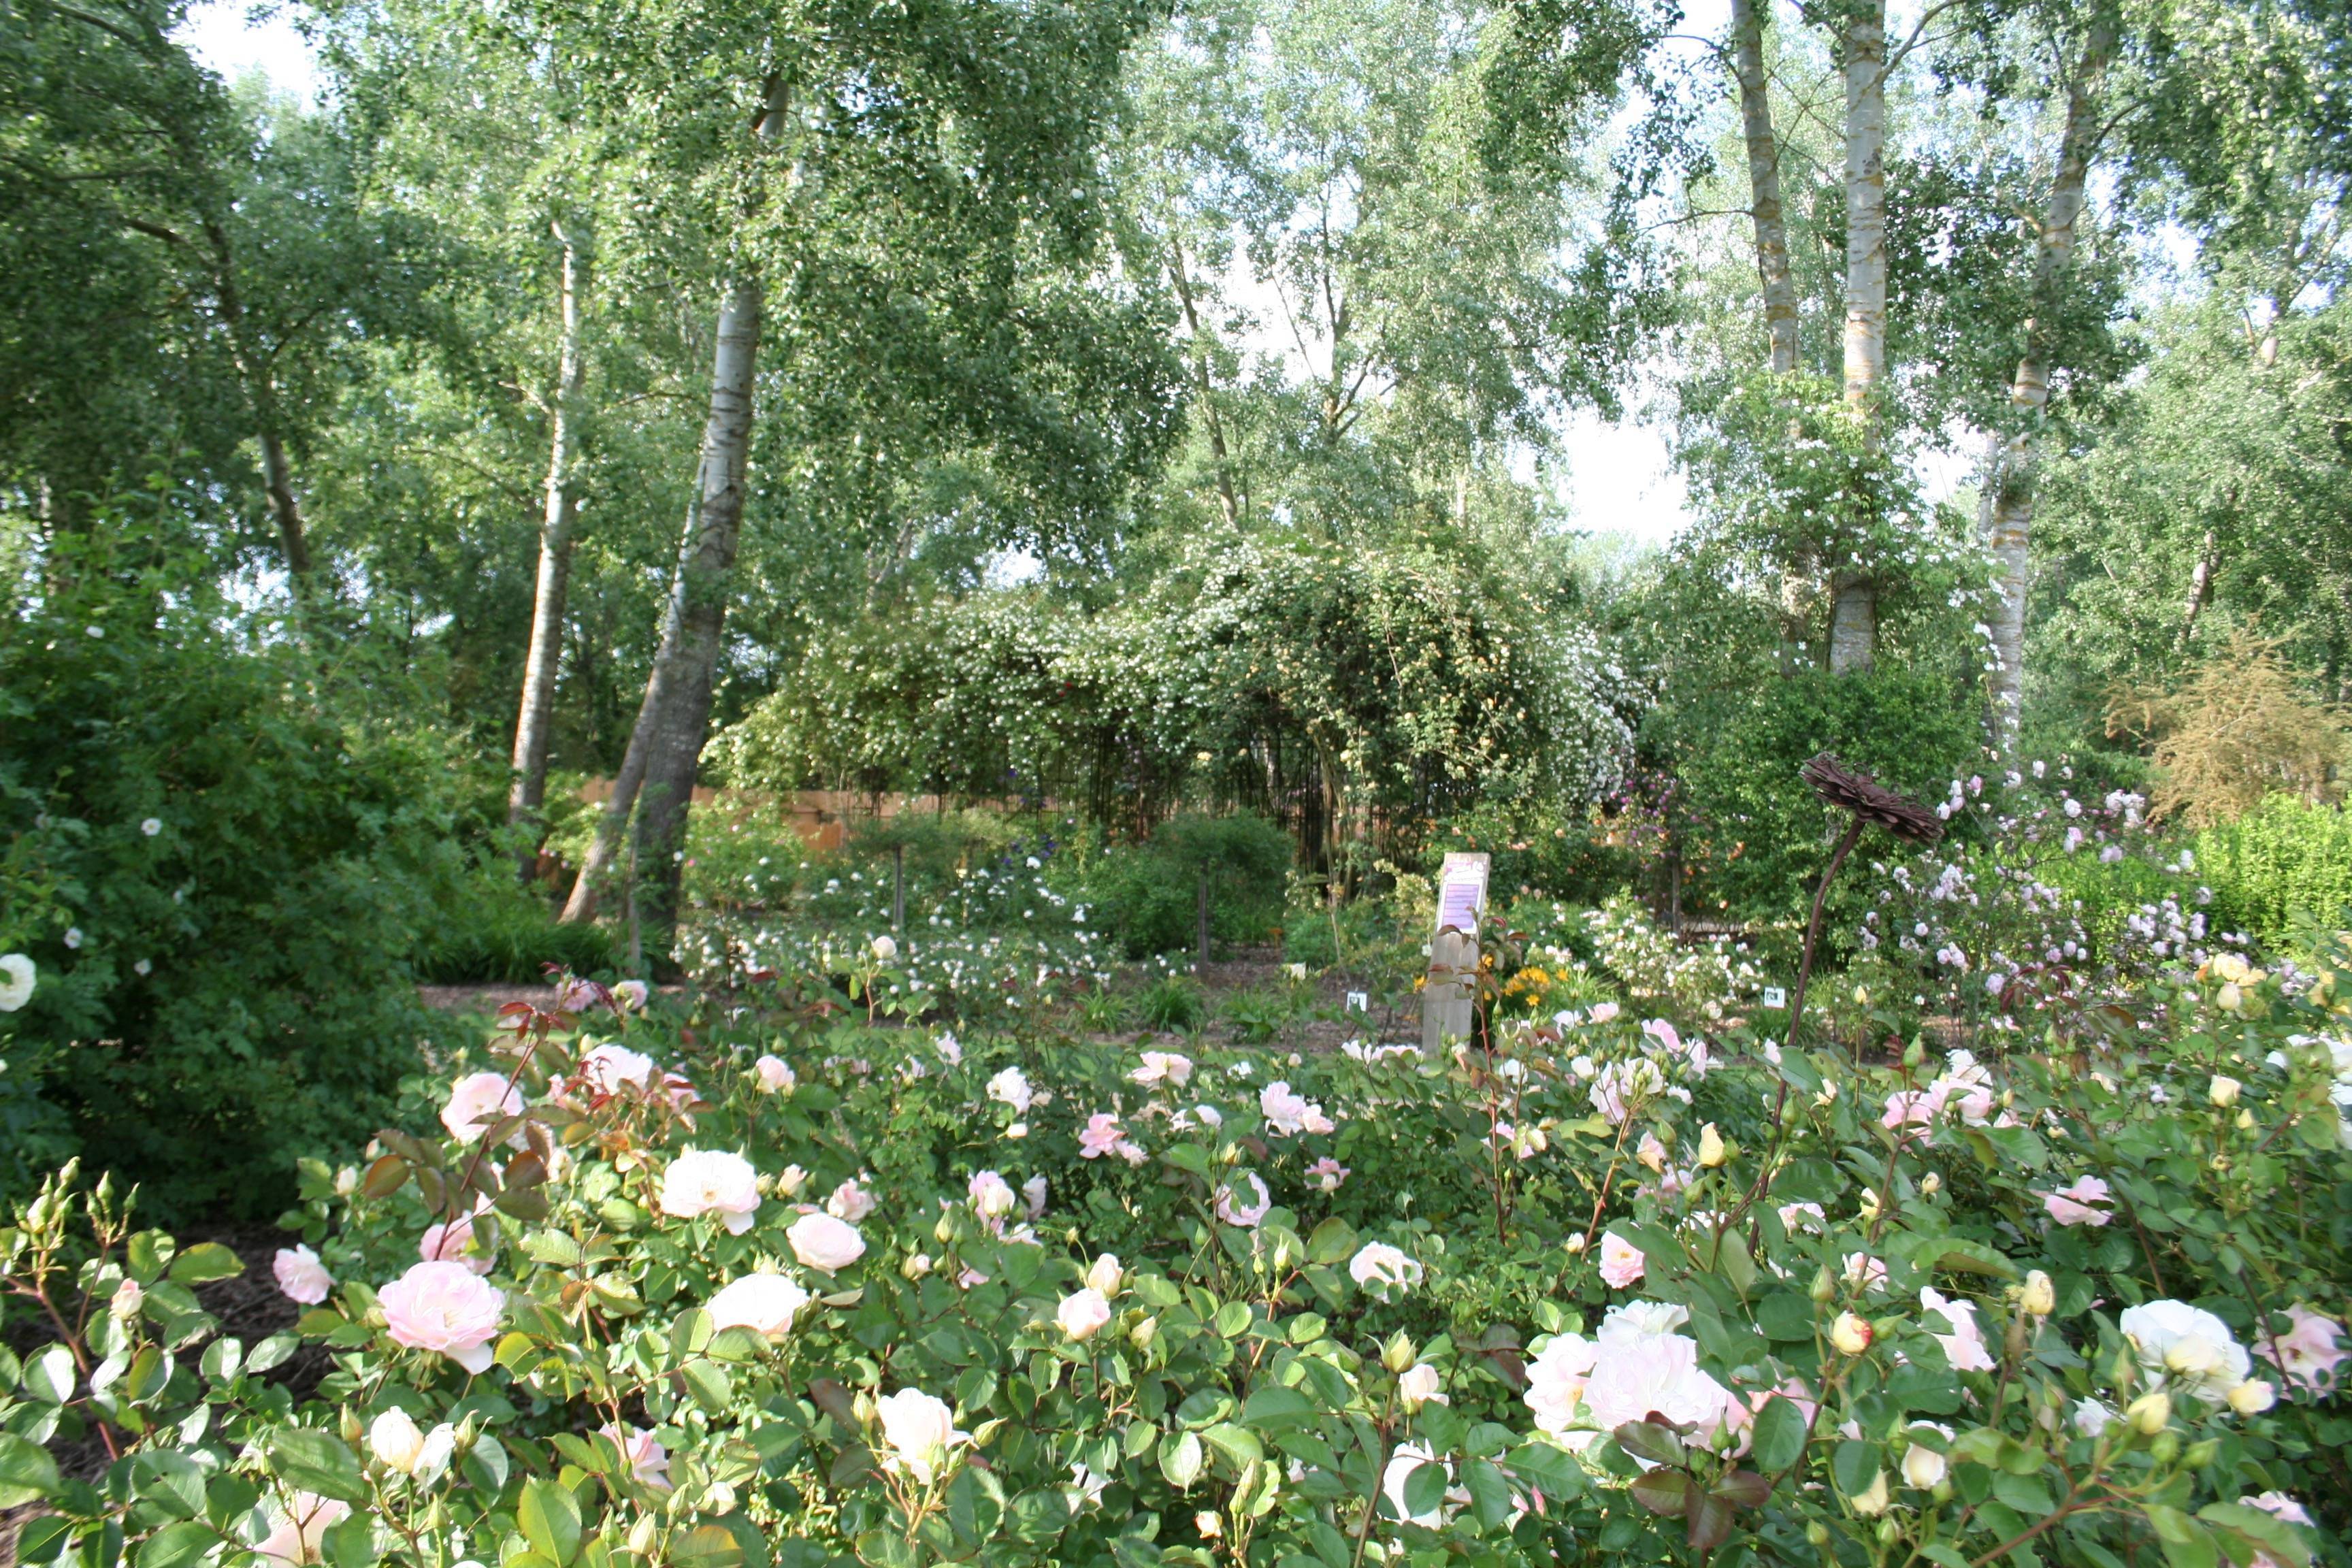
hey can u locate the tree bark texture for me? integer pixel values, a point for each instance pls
(557, 525)
(1764, 182)
(2009, 487)
(261, 396)
(1853, 613)
(674, 719)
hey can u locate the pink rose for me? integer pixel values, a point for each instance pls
(301, 1276)
(648, 1461)
(824, 1243)
(850, 1202)
(2308, 1353)
(296, 1534)
(1235, 1207)
(1965, 1346)
(2072, 1205)
(1101, 1136)
(1621, 1263)
(1327, 1174)
(454, 1243)
(444, 1308)
(775, 1075)
(476, 1101)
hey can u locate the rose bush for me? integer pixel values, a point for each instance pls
(1593, 1290)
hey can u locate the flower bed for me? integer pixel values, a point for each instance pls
(729, 1289)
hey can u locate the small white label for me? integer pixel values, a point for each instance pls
(1775, 997)
(1359, 1002)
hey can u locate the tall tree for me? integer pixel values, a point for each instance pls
(2008, 486)
(940, 172)
(551, 590)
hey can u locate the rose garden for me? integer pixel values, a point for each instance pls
(1175, 784)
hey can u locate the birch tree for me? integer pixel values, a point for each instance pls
(2008, 486)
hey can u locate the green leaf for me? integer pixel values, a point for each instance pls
(316, 1462)
(173, 1482)
(715, 1546)
(204, 1262)
(27, 1473)
(1549, 1470)
(1238, 1444)
(1333, 1241)
(270, 1354)
(1780, 1434)
(176, 1545)
(1275, 1407)
(1490, 1494)
(2026, 1494)
(1180, 1459)
(1648, 1440)
(1852, 1466)
(549, 1516)
(50, 1376)
(1424, 1490)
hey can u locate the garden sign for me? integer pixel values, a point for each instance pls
(1447, 995)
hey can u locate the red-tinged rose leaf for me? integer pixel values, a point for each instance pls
(526, 1170)
(1650, 1440)
(833, 1398)
(385, 1177)
(1742, 1488)
(1710, 1521)
(1664, 1492)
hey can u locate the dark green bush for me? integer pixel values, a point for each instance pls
(223, 872)
(1759, 836)
(1172, 1004)
(499, 933)
(2282, 858)
(1148, 893)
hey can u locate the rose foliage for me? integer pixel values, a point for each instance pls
(752, 1287)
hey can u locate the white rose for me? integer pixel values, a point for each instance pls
(764, 1303)
(1105, 1275)
(919, 1431)
(394, 1440)
(16, 977)
(711, 1180)
(775, 1075)
(1419, 1386)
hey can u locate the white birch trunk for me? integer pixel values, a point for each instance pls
(665, 743)
(2009, 487)
(1764, 183)
(1853, 613)
(529, 790)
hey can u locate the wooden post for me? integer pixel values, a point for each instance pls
(1449, 994)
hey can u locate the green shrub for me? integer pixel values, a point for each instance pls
(225, 874)
(1760, 837)
(1149, 894)
(1171, 1006)
(2285, 856)
(506, 935)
